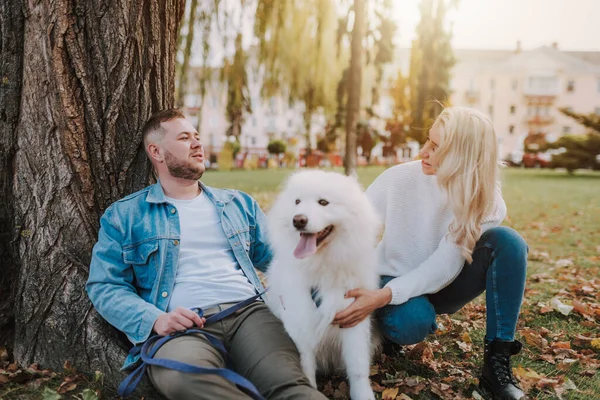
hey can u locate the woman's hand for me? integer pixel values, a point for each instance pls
(365, 302)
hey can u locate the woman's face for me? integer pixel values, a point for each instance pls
(428, 162)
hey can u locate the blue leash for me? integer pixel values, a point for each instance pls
(148, 349)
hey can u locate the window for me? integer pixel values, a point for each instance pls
(513, 109)
(254, 121)
(566, 129)
(571, 86)
(491, 110)
(212, 122)
(471, 85)
(511, 129)
(290, 122)
(492, 83)
(271, 123)
(213, 101)
(541, 85)
(515, 84)
(253, 140)
(272, 104)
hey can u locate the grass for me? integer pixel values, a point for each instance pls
(559, 216)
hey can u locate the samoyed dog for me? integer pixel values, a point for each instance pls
(323, 231)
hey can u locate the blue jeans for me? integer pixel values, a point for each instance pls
(499, 267)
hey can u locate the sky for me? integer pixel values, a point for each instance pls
(499, 24)
(483, 24)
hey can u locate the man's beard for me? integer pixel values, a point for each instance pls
(182, 169)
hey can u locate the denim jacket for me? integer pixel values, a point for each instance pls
(134, 262)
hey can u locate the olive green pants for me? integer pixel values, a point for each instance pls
(259, 347)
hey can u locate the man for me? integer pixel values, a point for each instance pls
(178, 245)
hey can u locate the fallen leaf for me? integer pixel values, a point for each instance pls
(582, 341)
(466, 338)
(565, 262)
(587, 372)
(465, 347)
(403, 397)
(566, 364)
(421, 352)
(561, 345)
(559, 306)
(328, 389)
(389, 394)
(476, 395)
(66, 387)
(533, 338)
(341, 392)
(49, 394)
(89, 394)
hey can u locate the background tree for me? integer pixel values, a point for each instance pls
(276, 147)
(431, 61)
(295, 43)
(238, 94)
(186, 42)
(367, 138)
(92, 74)
(577, 151)
(354, 86)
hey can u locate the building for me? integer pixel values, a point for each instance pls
(522, 91)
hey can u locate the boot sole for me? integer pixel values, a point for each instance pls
(485, 390)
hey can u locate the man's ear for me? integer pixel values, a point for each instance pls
(155, 153)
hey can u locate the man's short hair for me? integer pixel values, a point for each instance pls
(153, 123)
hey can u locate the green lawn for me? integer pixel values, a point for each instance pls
(559, 217)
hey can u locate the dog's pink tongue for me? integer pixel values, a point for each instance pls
(306, 246)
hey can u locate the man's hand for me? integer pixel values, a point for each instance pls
(179, 319)
(365, 302)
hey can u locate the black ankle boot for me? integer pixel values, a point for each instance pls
(496, 377)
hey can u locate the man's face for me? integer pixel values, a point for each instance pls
(183, 152)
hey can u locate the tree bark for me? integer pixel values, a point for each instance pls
(11, 73)
(354, 86)
(92, 74)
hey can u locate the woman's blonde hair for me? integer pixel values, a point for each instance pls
(468, 169)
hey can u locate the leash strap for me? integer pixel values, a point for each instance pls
(148, 349)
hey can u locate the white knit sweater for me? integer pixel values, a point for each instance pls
(416, 247)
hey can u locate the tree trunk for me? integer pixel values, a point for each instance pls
(11, 73)
(93, 73)
(354, 85)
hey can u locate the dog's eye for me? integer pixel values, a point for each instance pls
(323, 202)
(297, 201)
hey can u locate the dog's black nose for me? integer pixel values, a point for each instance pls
(300, 221)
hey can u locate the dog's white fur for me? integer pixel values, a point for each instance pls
(344, 260)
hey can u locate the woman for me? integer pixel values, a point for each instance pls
(443, 245)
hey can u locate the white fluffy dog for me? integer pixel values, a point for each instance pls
(323, 231)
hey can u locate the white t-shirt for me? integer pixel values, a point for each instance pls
(207, 271)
